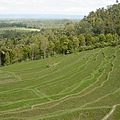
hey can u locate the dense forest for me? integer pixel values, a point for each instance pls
(99, 29)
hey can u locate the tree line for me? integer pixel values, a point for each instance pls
(7, 24)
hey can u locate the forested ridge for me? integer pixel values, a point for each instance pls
(99, 29)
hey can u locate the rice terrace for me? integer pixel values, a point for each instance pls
(80, 86)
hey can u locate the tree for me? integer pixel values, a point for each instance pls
(69, 29)
(75, 43)
(95, 39)
(115, 37)
(109, 38)
(64, 44)
(32, 47)
(14, 41)
(7, 58)
(88, 39)
(81, 38)
(57, 46)
(102, 38)
(13, 55)
(37, 54)
(84, 27)
(26, 52)
(51, 47)
(44, 46)
(70, 46)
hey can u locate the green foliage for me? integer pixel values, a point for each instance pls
(109, 38)
(115, 37)
(44, 46)
(75, 43)
(64, 44)
(13, 55)
(7, 58)
(81, 38)
(26, 52)
(88, 39)
(102, 38)
(83, 27)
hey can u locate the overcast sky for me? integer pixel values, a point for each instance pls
(82, 7)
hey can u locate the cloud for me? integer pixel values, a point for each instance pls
(52, 6)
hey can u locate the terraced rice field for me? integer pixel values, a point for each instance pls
(81, 86)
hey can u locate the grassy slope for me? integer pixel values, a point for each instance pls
(83, 86)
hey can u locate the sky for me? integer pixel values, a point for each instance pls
(82, 7)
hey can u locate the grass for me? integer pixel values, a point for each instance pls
(81, 86)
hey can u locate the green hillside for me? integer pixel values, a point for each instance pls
(79, 86)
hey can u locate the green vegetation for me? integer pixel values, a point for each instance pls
(81, 86)
(73, 70)
(46, 38)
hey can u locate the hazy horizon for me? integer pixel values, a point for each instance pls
(40, 16)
